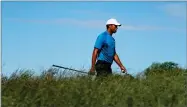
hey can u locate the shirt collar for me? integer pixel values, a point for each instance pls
(108, 32)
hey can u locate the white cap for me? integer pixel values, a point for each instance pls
(113, 21)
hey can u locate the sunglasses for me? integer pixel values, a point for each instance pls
(116, 26)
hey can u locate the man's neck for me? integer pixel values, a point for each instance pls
(109, 32)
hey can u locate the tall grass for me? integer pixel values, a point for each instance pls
(53, 89)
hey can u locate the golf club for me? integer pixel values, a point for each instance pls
(92, 77)
(69, 69)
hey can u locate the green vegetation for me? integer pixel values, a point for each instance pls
(160, 85)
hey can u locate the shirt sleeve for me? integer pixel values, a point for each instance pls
(99, 42)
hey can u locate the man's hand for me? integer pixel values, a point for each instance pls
(92, 71)
(123, 69)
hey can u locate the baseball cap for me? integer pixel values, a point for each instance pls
(113, 21)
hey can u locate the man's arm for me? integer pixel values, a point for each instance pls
(94, 56)
(117, 60)
(98, 45)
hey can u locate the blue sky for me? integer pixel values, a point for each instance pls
(36, 35)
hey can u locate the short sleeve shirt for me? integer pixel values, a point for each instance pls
(106, 45)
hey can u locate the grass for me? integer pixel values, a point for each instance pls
(23, 89)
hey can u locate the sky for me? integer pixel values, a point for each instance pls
(36, 35)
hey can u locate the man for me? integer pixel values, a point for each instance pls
(105, 52)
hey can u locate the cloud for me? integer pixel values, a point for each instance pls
(91, 23)
(150, 28)
(62, 21)
(90, 12)
(85, 23)
(29, 20)
(175, 9)
(130, 27)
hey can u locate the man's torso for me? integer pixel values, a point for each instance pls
(107, 50)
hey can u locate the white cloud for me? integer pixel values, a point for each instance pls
(150, 28)
(175, 9)
(62, 21)
(90, 12)
(130, 27)
(91, 23)
(86, 23)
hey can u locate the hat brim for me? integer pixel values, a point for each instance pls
(115, 24)
(118, 24)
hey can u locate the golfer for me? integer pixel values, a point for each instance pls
(104, 51)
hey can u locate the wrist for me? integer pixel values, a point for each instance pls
(93, 66)
(121, 66)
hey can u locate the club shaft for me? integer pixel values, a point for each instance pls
(69, 69)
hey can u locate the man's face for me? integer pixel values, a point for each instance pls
(114, 28)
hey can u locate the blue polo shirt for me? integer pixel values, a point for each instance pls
(106, 45)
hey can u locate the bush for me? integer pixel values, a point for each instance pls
(53, 89)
